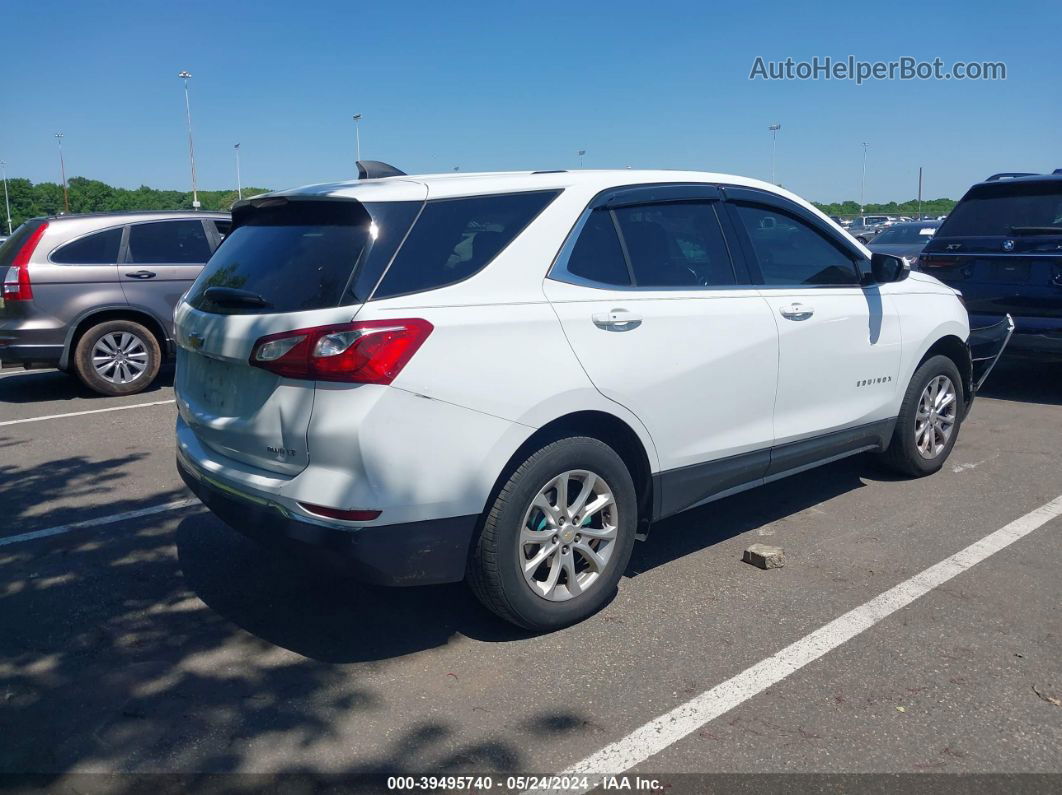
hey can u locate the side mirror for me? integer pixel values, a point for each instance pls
(886, 268)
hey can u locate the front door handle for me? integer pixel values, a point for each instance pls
(617, 320)
(797, 311)
(141, 274)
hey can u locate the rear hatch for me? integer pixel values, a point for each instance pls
(1002, 247)
(288, 264)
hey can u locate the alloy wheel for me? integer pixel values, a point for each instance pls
(119, 357)
(568, 535)
(935, 417)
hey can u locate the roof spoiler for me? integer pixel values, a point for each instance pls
(1011, 175)
(374, 169)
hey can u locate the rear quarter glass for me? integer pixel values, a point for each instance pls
(303, 255)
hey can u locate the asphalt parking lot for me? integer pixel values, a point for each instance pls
(166, 642)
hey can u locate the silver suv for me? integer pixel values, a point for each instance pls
(94, 294)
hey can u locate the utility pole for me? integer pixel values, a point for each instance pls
(919, 193)
(863, 181)
(62, 172)
(185, 75)
(774, 128)
(239, 185)
(357, 139)
(7, 203)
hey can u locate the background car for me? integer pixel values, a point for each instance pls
(906, 239)
(864, 232)
(94, 294)
(1002, 247)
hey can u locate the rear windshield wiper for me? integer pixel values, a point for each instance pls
(1036, 230)
(231, 296)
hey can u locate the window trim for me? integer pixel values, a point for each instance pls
(740, 195)
(553, 193)
(640, 195)
(71, 241)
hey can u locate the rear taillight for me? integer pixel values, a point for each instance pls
(934, 261)
(365, 352)
(17, 279)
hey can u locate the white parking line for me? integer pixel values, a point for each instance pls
(656, 735)
(91, 411)
(102, 520)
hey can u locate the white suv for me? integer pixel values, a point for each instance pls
(506, 377)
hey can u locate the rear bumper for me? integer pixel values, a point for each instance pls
(415, 553)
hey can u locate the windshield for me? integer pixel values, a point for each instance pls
(908, 233)
(998, 208)
(301, 255)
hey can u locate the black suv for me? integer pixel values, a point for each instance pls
(1002, 247)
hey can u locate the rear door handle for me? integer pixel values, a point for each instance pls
(617, 320)
(141, 274)
(797, 311)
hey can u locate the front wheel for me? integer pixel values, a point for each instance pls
(929, 419)
(557, 537)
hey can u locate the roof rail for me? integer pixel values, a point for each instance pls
(1010, 175)
(374, 169)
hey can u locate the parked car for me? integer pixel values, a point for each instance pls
(1002, 247)
(876, 220)
(94, 294)
(905, 239)
(863, 232)
(505, 378)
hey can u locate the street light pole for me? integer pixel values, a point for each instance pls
(774, 128)
(581, 153)
(239, 185)
(7, 203)
(357, 138)
(863, 181)
(185, 75)
(62, 172)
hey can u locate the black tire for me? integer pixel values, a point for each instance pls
(86, 372)
(902, 454)
(494, 573)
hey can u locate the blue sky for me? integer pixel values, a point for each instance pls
(511, 85)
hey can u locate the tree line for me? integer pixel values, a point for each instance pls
(29, 200)
(92, 196)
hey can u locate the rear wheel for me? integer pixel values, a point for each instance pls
(558, 536)
(118, 357)
(929, 420)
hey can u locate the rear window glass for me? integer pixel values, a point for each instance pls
(676, 245)
(302, 255)
(1003, 208)
(10, 247)
(162, 242)
(597, 255)
(456, 238)
(98, 249)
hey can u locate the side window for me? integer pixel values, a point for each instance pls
(678, 244)
(98, 249)
(456, 238)
(168, 242)
(597, 255)
(790, 252)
